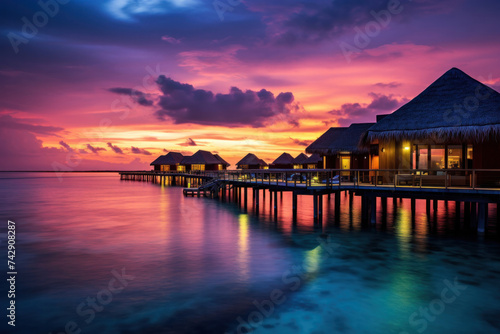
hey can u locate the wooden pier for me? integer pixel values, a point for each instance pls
(370, 185)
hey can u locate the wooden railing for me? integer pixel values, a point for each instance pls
(421, 178)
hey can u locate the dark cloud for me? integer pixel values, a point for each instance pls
(137, 150)
(7, 121)
(138, 96)
(116, 149)
(315, 21)
(388, 85)
(188, 142)
(82, 151)
(95, 150)
(185, 104)
(301, 142)
(356, 112)
(66, 146)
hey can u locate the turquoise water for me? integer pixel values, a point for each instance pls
(98, 255)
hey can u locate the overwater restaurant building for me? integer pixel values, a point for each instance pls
(453, 124)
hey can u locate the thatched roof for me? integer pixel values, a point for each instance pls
(221, 161)
(284, 159)
(454, 107)
(300, 159)
(337, 140)
(172, 158)
(251, 159)
(201, 158)
(313, 159)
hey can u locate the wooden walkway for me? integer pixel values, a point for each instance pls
(318, 183)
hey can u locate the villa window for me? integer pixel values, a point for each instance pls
(455, 156)
(423, 157)
(197, 167)
(220, 167)
(437, 157)
(181, 168)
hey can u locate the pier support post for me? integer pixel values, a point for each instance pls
(315, 205)
(257, 199)
(364, 209)
(275, 204)
(294, 206)
(498, 218)
(467, 214)
(435, 206)
(373, 210)
(245, 199)
(320, 209)
(482, 217)
(394, 201)
(413, 209)
(473, 214)
(457, 212)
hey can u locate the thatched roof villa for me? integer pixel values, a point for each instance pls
(339, 147)
(284, 161)
(454, 123)
(167, 162)
(298, 161)
(204, 160)
(315, 161)
(251, 161)
(201, 160)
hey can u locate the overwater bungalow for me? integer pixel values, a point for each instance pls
(284, 161)
(298, 162)
(167, 162)
(315, 161)
(339, 147)
(453, 124)
(251, 161)
(202, 160)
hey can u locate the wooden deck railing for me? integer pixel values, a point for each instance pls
(421, 178)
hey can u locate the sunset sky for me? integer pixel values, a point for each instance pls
(112, 84)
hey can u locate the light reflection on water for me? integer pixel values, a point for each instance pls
(199, 264)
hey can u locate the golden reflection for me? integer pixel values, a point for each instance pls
(243, 256)
(163, 209)
(404, 231)
(312, 259)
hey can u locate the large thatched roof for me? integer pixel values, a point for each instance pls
(337, 140)
(454, 107)
(300, 159)
(201, 158)
(284, 159)
(251, 159)
(171, 158)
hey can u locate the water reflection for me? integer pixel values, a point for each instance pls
(243, 248)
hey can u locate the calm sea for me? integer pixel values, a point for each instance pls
(98, 255)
